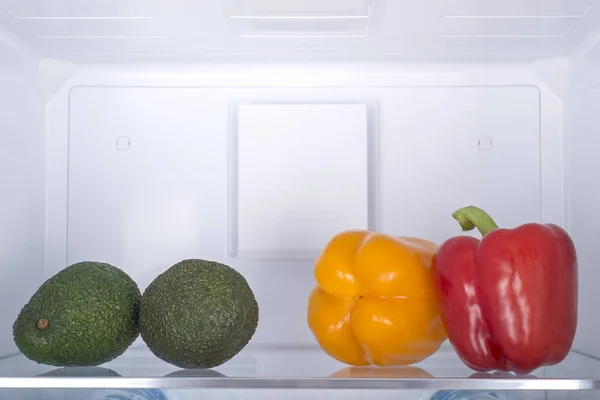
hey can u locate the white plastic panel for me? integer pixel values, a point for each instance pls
(275, 18)
(95, 28)
(518, 8)
(22, 225)
(364, 29)
(78, 9)
(300, 177)
(454, 147)
(505, 27)
(513, 26)
(298, 9)
(582, 186)
(146, 177)
(98, 26)
(300, 27)
(148, 156)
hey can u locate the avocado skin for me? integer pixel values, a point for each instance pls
(92, 309)
(198, 314)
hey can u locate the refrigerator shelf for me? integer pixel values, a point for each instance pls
(260, 367)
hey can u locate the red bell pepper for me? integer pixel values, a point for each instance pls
(508, 301)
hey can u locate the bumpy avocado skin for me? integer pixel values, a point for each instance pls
(198, 314)
(92, 309)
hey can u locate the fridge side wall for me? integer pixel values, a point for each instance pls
(258, 167)
(582, 136)
(22, 181)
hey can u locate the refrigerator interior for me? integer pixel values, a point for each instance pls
(142, 133)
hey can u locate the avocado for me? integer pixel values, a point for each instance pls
(198, 314)
(85, 315)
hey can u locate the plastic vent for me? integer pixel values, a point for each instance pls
(295, 18)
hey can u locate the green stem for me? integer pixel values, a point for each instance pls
(472, 217)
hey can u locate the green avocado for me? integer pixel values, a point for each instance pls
(198, 314)
(85, 315)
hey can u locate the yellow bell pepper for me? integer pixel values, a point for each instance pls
(374, 303)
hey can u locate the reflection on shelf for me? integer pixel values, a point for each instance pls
(387, 373)
(195, 373)
(73, 372)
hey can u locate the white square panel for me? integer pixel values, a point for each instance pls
(300, 177)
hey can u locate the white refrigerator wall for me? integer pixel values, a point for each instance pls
(258, 166)
(22, 200)
(582, 136)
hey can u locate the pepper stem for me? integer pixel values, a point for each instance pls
(43, 324)
(472, 217)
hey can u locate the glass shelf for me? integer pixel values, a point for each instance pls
(295, 368)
